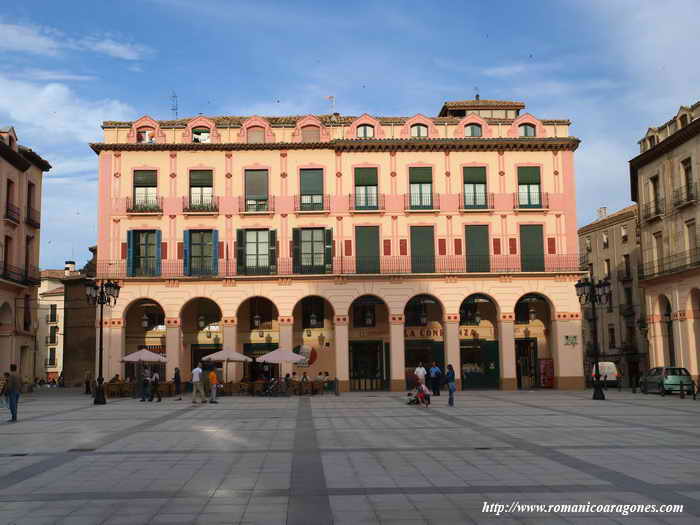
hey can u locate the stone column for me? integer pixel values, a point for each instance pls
(452, 355)
(286, 328)
(114, 348)
(173, 348)
(398, 353)
(342, 350)
(506, 351)
(568, 359)
(232, 372)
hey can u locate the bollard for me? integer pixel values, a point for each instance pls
(336, 387)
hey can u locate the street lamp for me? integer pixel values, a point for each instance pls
(591, 292)
(105, 294)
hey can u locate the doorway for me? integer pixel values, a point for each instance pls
(422, 352)
(479, 364)
(368, 366)
(526, 363)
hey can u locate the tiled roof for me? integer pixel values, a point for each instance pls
(34, 158)
(52, 274)
(627, 212)
(510, 104)
(55, 291)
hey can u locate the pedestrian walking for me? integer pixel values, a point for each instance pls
(213, 385)
(420, 373)
(197, 389)
(435, 378)
(88, 382)
(13, 387)
(451, 385)
(177, 381)
(155, 390)
(145, 384)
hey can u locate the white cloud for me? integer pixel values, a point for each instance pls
(48, 75)
(28, 39)
(110, 47)
(63, 168)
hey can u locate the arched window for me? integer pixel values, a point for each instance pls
(472, 130)
(527, 130)
(256, 135)
(365, 131)
(419, 131)
(201, 135)
(145, 135)
(311, 134)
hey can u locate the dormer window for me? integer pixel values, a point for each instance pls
(311, 134)
(145, 135)
(365, 131)
(255, 135)
(652, 141)
(527, 130)
(419, 131)
(201, 135)
(684, 120)
(472, 130)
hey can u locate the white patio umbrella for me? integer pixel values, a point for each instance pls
(226, 356)
(280, 356)
(144, 356)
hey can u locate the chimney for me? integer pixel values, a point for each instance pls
(69, 267)
(602, 212)
(477, 97)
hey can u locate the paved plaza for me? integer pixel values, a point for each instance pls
(359, 458)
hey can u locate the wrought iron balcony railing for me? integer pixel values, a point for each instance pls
(256, 205)
(652, 210)
(685, 195)
(315, 202)
(529, 201)
(12, 212)
(366, 202)
(33, 218)
(672, 264)
(200, 204)
(145, 205)
(421, 201)
(476, 201)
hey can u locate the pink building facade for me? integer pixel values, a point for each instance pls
(366, 244)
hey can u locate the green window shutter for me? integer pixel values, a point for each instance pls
(273, 251)
(532, 247)
(475, 175)
(367, 249)
(296, 250)
(158, 248)
(240, 252)
(478, 258)
(131, 246)
(256, 184)
(215, 252)
(422, 249)
(328, 250)
(311, 182)
(528, 175)
(365, 176)
(187, 251)
(144, 178)
(420, 175)
(201, 179)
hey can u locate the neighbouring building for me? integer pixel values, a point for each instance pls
(21, 173)
(664, 183)
(367, 244)
(50, 321)
(609, 249)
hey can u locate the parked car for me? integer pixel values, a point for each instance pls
(666, 380)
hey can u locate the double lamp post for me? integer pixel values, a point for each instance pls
(106, 293)
(594, 293)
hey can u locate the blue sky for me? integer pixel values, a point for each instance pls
(613, 68)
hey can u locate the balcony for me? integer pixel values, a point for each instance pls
(312, 203)
(584, 260)
(475, 201)
(253, 205)
(624, 275)
(33, 218)
(52, 339)
(684, 195)
(528, 201)
(366, 203)
(26, 276)
(384, 265)
(50, 363)
(12, 213)
(51, 318)
(627, 310)
(421, 202)
(669, 265)
(200, 205)
(653, 210)
(152, 206)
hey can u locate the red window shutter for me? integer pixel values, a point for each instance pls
(458, 246)
(403, 247)
(442, 246)
(163, 250)
(387, 246)
(348, 247)
(497, 246)
(221, 249)
(333, 249)
(291, 248)
(551, 245)
(181, 250)
(125, 250)
(513, 244)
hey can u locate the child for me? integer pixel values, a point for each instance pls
(423, 394)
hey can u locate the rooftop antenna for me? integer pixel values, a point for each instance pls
(173, 105)
(331, 99)
(476, 91)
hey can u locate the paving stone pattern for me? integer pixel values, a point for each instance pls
(359, 458)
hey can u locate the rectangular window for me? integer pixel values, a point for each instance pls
(312, 250)
(367, 252)
(52, 357)
(201, 190)
(53, 335)
(529, 191)
(691, 236)
(257, 252)
(531, 248)
(53, 316)
(628, 295)
(311, 184)
(256, 190)
(611, 337)
(605, 240)
(420, 188)
(201, 252)
(627, 265)
(654, 192)
(31, 190)
(478, 258)
(687, 170)
(145, 191)
(658, 246)
(144, 253)
(474, 188)
(422, 249)
(623, 233)
(606, 269)
(366, 196)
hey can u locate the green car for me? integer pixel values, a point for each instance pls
(665, 380)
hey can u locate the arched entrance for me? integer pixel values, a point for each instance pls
(534, 361)
(669, 344)
(202, 335)
(313, 336)
(144, 328)
(478, 343)
(258, 334)
(368, 348)
(423, 335)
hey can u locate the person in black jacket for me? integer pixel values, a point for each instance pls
(177, 380)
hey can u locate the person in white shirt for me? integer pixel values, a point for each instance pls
(420, 373)
(155, 381)
(197, 389)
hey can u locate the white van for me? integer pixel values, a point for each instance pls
(609, 369)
